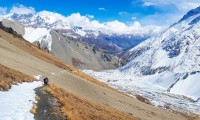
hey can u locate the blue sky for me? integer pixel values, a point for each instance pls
(147, 12)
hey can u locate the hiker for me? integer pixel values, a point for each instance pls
(46, 81)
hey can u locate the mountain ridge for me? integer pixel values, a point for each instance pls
(115, 42)
(164, 66)
(191, 13)
(175, 50)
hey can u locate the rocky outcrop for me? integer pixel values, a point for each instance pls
(16, 27)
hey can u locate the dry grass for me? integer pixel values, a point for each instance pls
(197, 118)
(37, 97)
(75, 107)
(142, 99)
(9, 77)
(34, 109)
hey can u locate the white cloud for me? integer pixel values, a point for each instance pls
(133, 18)
(76, 19)
(89, 16)
(102, 9)
(183, 5)
(187, 5)
(163, 19)
(115, 26)
(20, 9)
(174, 10)
(149, 4)
(134, 28)
(3, 10)
(122, 13)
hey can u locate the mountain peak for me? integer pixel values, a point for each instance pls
(191, 13)
(42, 19)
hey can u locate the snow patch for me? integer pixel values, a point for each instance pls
(16, 103)
(41, 35)
(37, 77)
(34, 34)
(162, 59)
(187, 86)
(81, 33)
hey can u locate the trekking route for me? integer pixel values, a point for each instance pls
(16, 103)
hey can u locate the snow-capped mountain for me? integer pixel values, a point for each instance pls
(114, 43)
(164, 66)
(39, 24)
(173, 57)
(42, 19)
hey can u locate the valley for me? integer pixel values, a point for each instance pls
(42, 64)
(164, 69)
(98, 70)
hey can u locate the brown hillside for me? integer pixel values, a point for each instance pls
(77, 108)
(9, 76)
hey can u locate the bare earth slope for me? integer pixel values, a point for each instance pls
(23, 61)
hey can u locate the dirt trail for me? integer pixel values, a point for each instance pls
(48, 107)
(24, 62)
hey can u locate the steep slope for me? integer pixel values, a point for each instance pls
(80, 54)
(22, 56)
(71, 51)
(173, 54)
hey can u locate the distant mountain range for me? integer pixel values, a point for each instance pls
(47, 30)
(112, 42)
